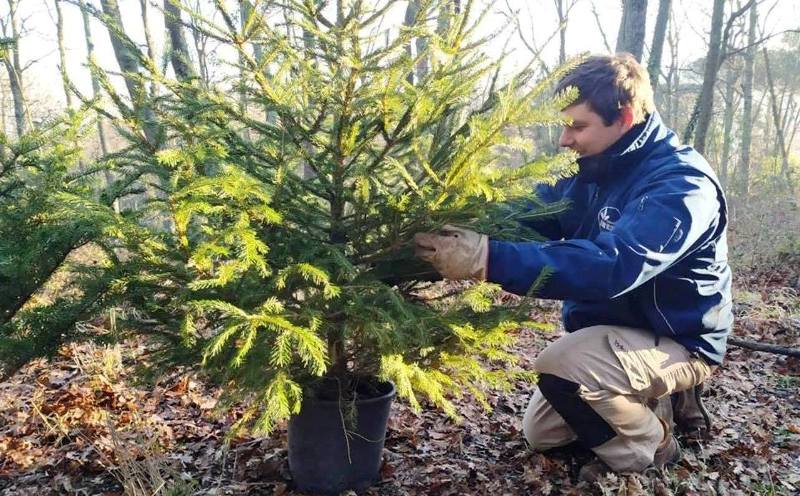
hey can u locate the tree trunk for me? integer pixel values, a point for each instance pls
(258, 49)
(95, 83)
(562, 32)
(151, 48)
(62, 55)
(776, 118)
(730, 109)
(743, 180)
(411, 13)
(788, 116)
(446, 14)
(630, 37)
(101, 135)
(420, 43)
(14, 70)
(706, 99)
(244, 10)
(2, 110)
(15, 84)
(179, 54)
(654, 64)
(129, 66)
(2, 122)
(673, 78)
(793, 124)
(200, 41)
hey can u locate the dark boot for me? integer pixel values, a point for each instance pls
(594, 471)
(668, 453)
(663, 409)
(691, 418)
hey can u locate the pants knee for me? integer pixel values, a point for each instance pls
(565, 398)
(535, 438)
(551, 361)
(529, 430)
(542, 427)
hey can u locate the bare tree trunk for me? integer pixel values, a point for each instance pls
(2, 120)
(95, 83)
(421, 44)
(243, 15)
(129, 66)
(706, 99)
(3, 96)
(200, 41)
(255, 21)
(62, 55)
(446, 14)
(727, 125)
(101, 135)
(600, 27)
(179, 53)
(411, 14)
(743, 180)
(151, 48)
(14, 70)
(15, 84)
(654, 64)
(781, 142)
(792, 124)
(673, 77)
(788, 107)
(562, 31)
(630, 37)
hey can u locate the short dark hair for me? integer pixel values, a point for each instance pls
(608, 83)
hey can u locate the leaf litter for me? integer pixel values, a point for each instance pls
(81, 423)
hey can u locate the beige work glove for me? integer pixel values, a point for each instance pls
(454, 252)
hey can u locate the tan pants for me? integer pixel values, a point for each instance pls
(617, 369)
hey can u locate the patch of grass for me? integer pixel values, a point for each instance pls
(768, 489)
(103, 364)
(142, 469)
(778, 304)
(788, 382)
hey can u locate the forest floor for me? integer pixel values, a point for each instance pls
(82, 424)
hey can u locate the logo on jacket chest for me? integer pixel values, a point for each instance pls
(607, 217)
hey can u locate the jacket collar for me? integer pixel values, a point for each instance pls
(633, 146)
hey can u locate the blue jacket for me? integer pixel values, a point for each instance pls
(642, 245)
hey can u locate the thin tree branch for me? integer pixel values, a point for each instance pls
(765, 347)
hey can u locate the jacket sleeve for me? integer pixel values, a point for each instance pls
(547, 226)
(667, 219)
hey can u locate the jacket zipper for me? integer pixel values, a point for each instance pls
(590, 210)
(655, 302)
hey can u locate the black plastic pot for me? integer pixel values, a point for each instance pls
(319, 444)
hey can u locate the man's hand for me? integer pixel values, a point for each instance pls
(456, 253)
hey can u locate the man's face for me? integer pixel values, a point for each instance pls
(588, 134)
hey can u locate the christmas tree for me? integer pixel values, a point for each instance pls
(50, 218)
(274, 243)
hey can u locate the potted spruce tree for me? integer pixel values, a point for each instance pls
(290, 195)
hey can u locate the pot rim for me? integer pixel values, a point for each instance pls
(389, 394)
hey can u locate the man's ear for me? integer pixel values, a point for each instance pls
(626, 117)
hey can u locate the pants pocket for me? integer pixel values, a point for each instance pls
(635, 360)
(681, 376)
(656, 371)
